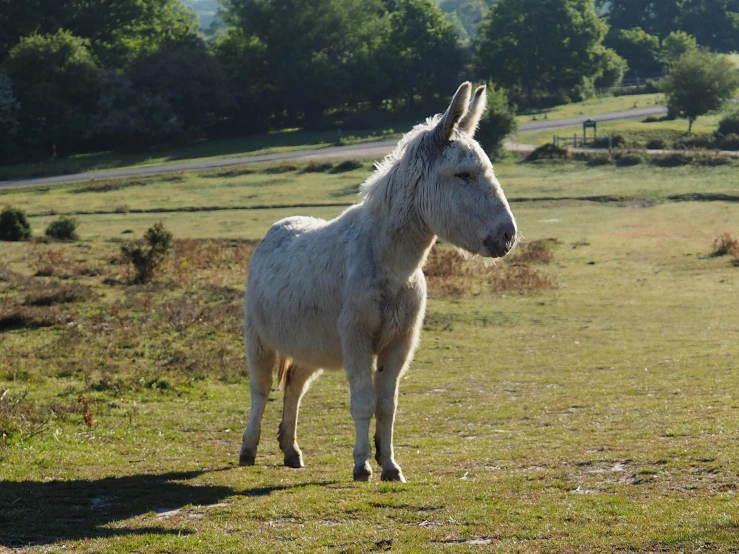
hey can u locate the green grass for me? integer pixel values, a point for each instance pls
(277, 142)
(636, 128)
(594, 106)
(283, 141)
(597, 416)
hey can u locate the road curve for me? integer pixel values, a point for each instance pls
(365, 150)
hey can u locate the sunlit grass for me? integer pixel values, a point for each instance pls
(597, 415)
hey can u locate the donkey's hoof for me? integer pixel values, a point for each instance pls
(393, 474)
(363, 473)
(247, 458)
(294, 460)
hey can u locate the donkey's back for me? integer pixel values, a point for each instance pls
(293, 296)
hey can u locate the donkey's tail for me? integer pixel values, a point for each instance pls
(284, 369)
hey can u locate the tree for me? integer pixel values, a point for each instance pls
(191, 82)
(714, 23)
(118, 30)
(129, 118)
(612, 69)
(637, 47)
(308, 49)
(654, 17)
(498, 122)
(698, 83)
(541, 45)
(56, 78)
(9, 108)
(675, 45)
(421, 56)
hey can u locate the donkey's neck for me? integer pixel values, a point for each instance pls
(400, 237)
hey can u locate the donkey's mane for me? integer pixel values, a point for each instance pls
(405, 164)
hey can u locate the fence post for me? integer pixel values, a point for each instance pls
(610, 143)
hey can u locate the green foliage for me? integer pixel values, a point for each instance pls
(305, 52)
(541, 45)
(729, 124)
(62, 228)
(612, 69)
(675, 45)
(14, 225)
(56, 78)
(637, 47)
(118, 31)
(127, 116)
(421, 55)
(465, 15)
(698, 83)
(9, 108)
(191, 84)
(714, 23)
(148, 258)
(498, 122)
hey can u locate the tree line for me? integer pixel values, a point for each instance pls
(82, 75)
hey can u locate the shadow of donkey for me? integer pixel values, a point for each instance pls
(37, 512)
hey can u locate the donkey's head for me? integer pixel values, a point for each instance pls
(459, 196)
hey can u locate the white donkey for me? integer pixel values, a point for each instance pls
(350, 292)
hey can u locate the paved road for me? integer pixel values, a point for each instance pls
(366, 150)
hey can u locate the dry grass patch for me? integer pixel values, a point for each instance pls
(725, 244)
(55, 293)
(453, 274)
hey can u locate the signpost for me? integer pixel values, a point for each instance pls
(589, 123)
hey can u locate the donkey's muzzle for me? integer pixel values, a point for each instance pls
(498, 244)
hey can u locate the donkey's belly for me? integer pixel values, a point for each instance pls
(310, 342)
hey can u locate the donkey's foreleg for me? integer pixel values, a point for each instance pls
(391, 364)
(297, 383)
(261, 363)
(358, 363)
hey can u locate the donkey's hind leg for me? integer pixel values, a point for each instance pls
(261, 364)
(297, 381)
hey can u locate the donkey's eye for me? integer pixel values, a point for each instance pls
(465, 175)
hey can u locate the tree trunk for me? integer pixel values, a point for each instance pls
(690, 124)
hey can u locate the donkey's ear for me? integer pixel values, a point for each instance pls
(477, 106)
(454, 112)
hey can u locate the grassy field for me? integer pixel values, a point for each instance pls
(668, 130)
(578, 397)
(283, 141)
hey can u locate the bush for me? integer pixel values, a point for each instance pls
(599, 159)
(148, 258)
(14, 225)
(656, 144)
(63, 228)
(617, 141)
(729, 124)
(548, 152)
(725, 244)
(672, 160)
(627, 159)
(498, 122)
(728, 142)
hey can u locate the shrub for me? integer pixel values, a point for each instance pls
(14, 225)
(599, 159)
(672, 160)
(656, 144)
(347, 165)
(627, 159)
(725, 244)
(728, 142)
(317, 167)
(729, 124)
(617, 141)
(547, 152)
(147, 258)
(63, 228)
(498, 122)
